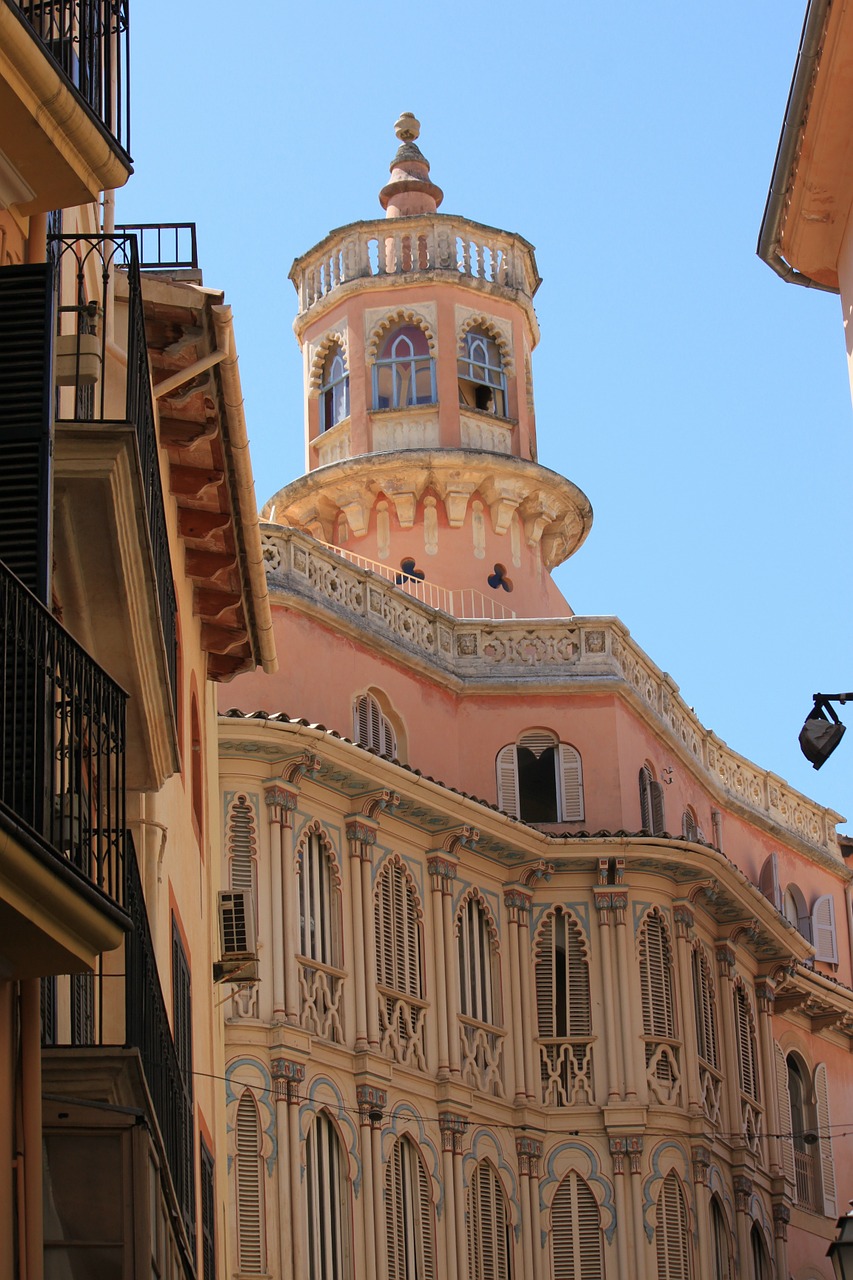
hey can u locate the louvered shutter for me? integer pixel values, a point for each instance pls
(545, 985)
(645, 799)
(658, 819)
(579, 1018)
(745, 1044)
(26, 389)
(361, 720)
(408, 1216)
(488, 1227)
(706, 1014)
(786, 1123)
(251, 1241)
(507, 772)
(823, 930)
(576, 1246)
(824, 1125)
(656, 980)
(768, 881)
(208, 1214)
(538, 740)
(425, 1221)
(571, 784)
(672, 1235)
(395, 1238)
(242, 847)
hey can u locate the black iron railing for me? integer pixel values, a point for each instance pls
(147, 1029)
(89, 40)
(87, 268)
(62, 741)
(164, 246)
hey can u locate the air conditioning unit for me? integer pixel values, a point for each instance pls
(238, 940)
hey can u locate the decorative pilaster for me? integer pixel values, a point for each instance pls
(361, 836)
(781, 1218)
(626, 1151)
(281, 802)
(626, 985)
(726, 961)
(529, 1153)
(372, 1104)
(684, 924)
(613, 1049)
(701, 1163)
(517, 904)
(442, 872)
(288, 1077)
(453, 1129)
(743, 1194)
(765, 994)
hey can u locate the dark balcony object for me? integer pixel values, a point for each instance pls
(89, 40)
(88, 269)
(164, 246)
(62, 742)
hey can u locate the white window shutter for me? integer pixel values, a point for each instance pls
(571, 784)
(823, 930)
(827, 1166)
(507, 773)
(786, 1122)
(768, 881)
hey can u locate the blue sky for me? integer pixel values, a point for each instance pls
(701, 404)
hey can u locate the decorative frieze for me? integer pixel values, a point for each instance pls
(529, 1153)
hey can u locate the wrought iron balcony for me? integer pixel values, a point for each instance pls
(89, 40)
(62, 742)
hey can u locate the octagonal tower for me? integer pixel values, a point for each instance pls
(417, 332)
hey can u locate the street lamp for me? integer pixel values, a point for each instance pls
(841, 1249)
(822, 731)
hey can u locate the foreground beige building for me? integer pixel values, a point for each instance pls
(553, 983)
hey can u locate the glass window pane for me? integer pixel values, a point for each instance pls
(423, 382)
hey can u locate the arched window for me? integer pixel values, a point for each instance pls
(658, 1002)
(672, 1232)
(409, 1236)
(564, 1019)
(404, 373)
(540, 779)
(320, 959)
(329, 1248)
(489, 1252)
(805, 1125)
(334, 389)
(371, 728)
(689, 825)
(241, 843)
(249, 1175)
(720, 1249)
(707, 1041)
(760, 1261)
(576, 1247)
(652, 817)
(479, 998)
(795, 910)
(399, 965)
(482, 382)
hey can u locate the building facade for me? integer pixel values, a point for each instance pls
(553, 983)
(132, 582)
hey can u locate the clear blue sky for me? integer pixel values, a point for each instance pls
(701, 404)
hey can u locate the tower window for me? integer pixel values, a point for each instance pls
(482, 382)
(404, 374)
(334, 390)
(540, 779)
(373, 729)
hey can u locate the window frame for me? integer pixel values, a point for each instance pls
(404, 370)
(334, 389)
(493, 375)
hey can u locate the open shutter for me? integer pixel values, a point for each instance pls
(786, 1123)
(658, 819)
(768, 881)
(507, 771)
(827, 1166)
(423, 1219)
(645, 799)
(823, 930)
(571, 784)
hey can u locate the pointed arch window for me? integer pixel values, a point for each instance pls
(372, 728)
(328, 1236)
(249, 1176)
(399, 965)
(409, 1234)
(564, 1018)
(334, 389)
(663, 1070)
(720, 1248)
(804, 1120)
(482, 381)
(540, 779)
(652, 817)
(672, 1232)
(404, 373)
(479, 999)
(758, 1249)
(576, 1245)
(489, 1251)
(707, 1040)
(320, 961)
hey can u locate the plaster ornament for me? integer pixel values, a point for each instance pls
(515, 540)
(430, 527)
(383, 531)
(478, 529)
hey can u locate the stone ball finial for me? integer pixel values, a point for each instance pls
(407, 127)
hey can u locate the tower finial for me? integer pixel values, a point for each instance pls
(410, 191)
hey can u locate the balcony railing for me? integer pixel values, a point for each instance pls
(89, 40)
(62, 741)
(164, 246)
(481, 1046)
(401, 1027)
(566, 1070)
(804, 1168)
(91, 330)
(321, 989)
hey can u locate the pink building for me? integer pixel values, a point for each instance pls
(553, 982)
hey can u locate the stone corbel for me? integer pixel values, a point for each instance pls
(306, 764)
(355, 509)
(456, 503)
(377, 802)
(405, 503)
(460, 838)
(540, 870)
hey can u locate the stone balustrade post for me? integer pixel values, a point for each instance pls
(281, 801)
(442, 872)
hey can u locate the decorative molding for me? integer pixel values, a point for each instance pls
(453, 1128)
(319, 350)
(378, 323)
(372, 1103)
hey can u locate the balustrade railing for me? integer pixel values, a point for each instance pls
(89, 40)
(439, 242)
(710, 1092)
(751, 1122)
(91, 329)
(402, 1021)
(482, 1047)
(804, 1170)
(321, 991)
(164, 246)
(566, 1070)
(663, 1072)
(62, 741)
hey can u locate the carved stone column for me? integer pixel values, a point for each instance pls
(627, 1151)
(354, 832)
(781, 1218)
(453, 1128)
(288, 1077)
(765, 993)
(743, 1218)
(726, 969)
(701, 1163)
(529, 1153)
(626, 986)
(442, 872)
(613, 1050)
(517, 905)
(280, 802)
(684, 922)
(361, 834)
(372, 1103)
